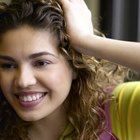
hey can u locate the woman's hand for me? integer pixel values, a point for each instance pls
(78, 20)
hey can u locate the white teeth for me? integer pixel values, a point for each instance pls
(24, 98)
(38, 96)
(34, 98)
(29, 98)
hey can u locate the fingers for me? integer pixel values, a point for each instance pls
(67, 3)
(64, 3)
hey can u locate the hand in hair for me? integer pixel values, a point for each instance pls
(80, 30)
(78, 20)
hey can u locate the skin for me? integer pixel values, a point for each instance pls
(31, 64)
(80, 30)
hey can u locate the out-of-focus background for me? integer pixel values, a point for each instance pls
(118, 19)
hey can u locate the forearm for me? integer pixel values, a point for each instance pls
(80, 30)
(121, 52)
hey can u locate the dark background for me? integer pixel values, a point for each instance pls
(120, 19)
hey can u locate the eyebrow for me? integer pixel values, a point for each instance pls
(35, 55)
(32, 56)
(8, 58)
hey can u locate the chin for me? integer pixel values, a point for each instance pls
(29, 118)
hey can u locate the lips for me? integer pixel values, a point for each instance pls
(30, 99)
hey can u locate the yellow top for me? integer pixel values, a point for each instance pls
(67, 133)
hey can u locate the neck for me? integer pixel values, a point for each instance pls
(49, 128)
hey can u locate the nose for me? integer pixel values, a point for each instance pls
(25, 77)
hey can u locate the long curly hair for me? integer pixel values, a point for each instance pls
(87, 95)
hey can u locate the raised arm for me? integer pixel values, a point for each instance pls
(80, 30)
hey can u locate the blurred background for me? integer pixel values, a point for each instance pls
(118, 19)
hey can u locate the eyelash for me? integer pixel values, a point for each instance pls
(7, 66)
(41, 63)
(37, 64)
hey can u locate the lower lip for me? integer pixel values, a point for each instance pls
(30, 104)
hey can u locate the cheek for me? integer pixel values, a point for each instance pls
(6, 82)
(58, 78)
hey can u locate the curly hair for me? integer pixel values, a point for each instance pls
(132, 76)
(86, 96)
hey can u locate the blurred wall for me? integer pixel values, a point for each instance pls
(94, 6)
(121, 19)
(126, 18)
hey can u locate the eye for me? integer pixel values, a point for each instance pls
(41, 63)
(7, 66)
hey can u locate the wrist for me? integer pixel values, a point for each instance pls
(84, 43)
(81, 40)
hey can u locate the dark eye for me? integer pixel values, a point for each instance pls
(41, 63)
(7, 66)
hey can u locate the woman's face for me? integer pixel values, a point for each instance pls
(34, 77)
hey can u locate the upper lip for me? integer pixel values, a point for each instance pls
(22, 93)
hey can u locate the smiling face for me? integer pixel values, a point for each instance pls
(34, 77)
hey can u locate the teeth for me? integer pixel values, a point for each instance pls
(34, 98)
(29, 98)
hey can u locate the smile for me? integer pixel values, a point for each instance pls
(30, 98)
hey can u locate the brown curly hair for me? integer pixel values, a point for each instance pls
(86, 96)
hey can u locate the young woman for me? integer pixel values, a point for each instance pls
(48, 90)
(80, 30)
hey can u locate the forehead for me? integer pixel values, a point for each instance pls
(27, 37)
(28, 33)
